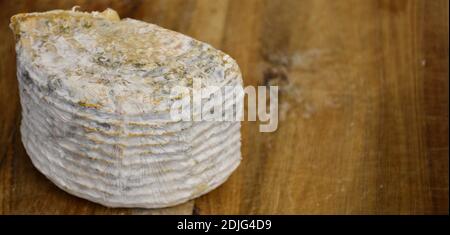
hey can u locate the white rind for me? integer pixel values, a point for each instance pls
(118, 154)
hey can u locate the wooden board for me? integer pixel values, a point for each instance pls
(363, 106)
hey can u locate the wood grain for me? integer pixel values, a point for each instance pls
(363, 106)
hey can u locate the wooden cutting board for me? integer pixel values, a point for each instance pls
(363, 106)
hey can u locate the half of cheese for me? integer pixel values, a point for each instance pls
(92, 86)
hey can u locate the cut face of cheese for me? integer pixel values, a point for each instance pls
(91, 87)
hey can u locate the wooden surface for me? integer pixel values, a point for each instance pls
(363, 105)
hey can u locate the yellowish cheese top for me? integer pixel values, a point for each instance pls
(126, 67)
